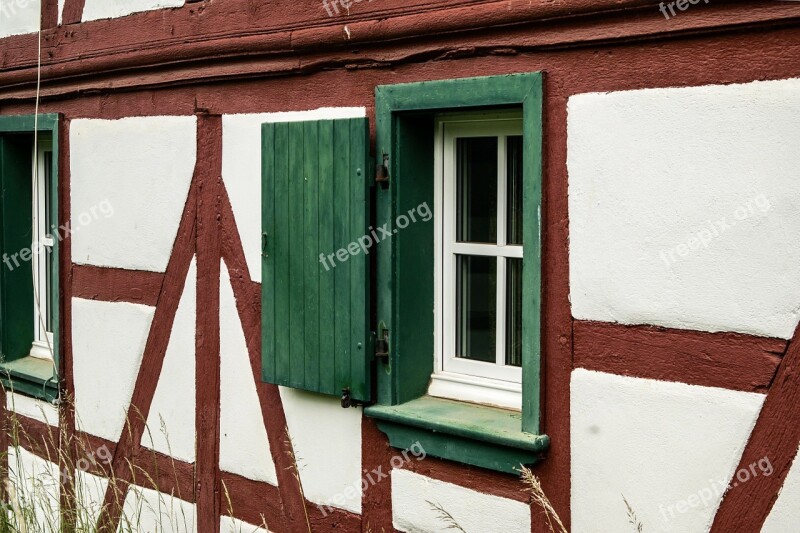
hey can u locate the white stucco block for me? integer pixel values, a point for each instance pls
(107, 9)
(157, 512)
(36, 485)
(415, 497)
(19, 16)
(92, 491)
(244, 447)
(61, 10)
(669, 448)
(108, 341)
(327, 448)
(130, 179)
(170, 423)
(241, 169)
(785, 515)
(234, 525)
(32, 408)
(684, 207)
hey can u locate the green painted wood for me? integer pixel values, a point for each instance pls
(311, 262)
(395, 107)
(47, 122)
(320, 319)
(532, 257)
(327, 302)
(16, 295)
(478, 435)
(281, 240)
(268, 267)
(359, 277)
(342, 238)
(296, 257)
(30, 376)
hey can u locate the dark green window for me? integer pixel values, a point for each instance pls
(407, 117)
(29, 283)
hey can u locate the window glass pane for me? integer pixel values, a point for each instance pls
(514, 312)
(476, 183)
(514, 188)
(476, 308)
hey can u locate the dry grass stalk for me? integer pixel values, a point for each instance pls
(534, 488)
(632, 518)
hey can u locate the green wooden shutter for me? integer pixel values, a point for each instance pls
(315, 198)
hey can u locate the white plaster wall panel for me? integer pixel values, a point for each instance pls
(19, 16)
(108, 9)
(36, 483)
(61, 10)
(130, 179)
(229, 524)
(91, 490)
(327, 445)
(170, 423)
(241, 169)
(684, 207)
(157, 512)
(32, 408)
(108, 341)
(243, 448)
(475, 512)
(669, 448)
(785, 515)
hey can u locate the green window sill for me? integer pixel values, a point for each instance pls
(477, 435)
(30, 376)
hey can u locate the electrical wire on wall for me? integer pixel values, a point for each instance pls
(37, 246)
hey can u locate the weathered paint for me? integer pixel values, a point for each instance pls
(415, 499)
(656, 444)
(691, 195)
(129, 180)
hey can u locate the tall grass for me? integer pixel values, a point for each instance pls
(38, 464)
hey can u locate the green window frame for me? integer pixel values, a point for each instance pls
(18, 370)
(483, 436)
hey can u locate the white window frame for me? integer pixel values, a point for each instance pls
(457, 378)
(43, 241)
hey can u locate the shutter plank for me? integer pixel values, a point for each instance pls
(281, 256)
(296, 256)
(311, 262)
(341, 225)
(327, 309)
(358, 271)
(268, 266)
